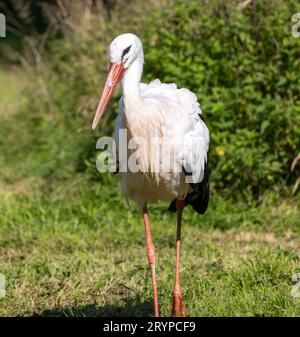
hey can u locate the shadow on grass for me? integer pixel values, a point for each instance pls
(131, 307)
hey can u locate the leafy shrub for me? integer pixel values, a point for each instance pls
(243, 64)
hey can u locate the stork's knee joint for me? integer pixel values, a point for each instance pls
(180, 205)
(151, 253)
(177, 290)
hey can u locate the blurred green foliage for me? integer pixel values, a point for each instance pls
(241, 62)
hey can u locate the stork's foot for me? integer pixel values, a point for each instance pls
(178, 305)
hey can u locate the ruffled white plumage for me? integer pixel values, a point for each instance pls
(173, 114)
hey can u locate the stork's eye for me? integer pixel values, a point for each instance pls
(125, 51)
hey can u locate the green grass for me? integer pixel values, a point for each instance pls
(83, 253)
(69, 245)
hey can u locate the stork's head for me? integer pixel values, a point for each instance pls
(123, 50)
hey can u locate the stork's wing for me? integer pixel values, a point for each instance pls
(195, 151)
(194, 154)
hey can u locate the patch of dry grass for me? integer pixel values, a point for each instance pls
(12, 82)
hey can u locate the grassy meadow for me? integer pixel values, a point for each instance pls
(69, 244)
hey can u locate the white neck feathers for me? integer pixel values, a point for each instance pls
(131, 81)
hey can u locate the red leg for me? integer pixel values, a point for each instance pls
(177, 297)
(151, 258)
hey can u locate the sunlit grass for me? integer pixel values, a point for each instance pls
(83, 253)
(12, 83)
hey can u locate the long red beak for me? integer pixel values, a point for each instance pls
(114, 76)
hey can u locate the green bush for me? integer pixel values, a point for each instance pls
(242, 63)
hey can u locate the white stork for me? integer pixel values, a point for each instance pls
(164, 111)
